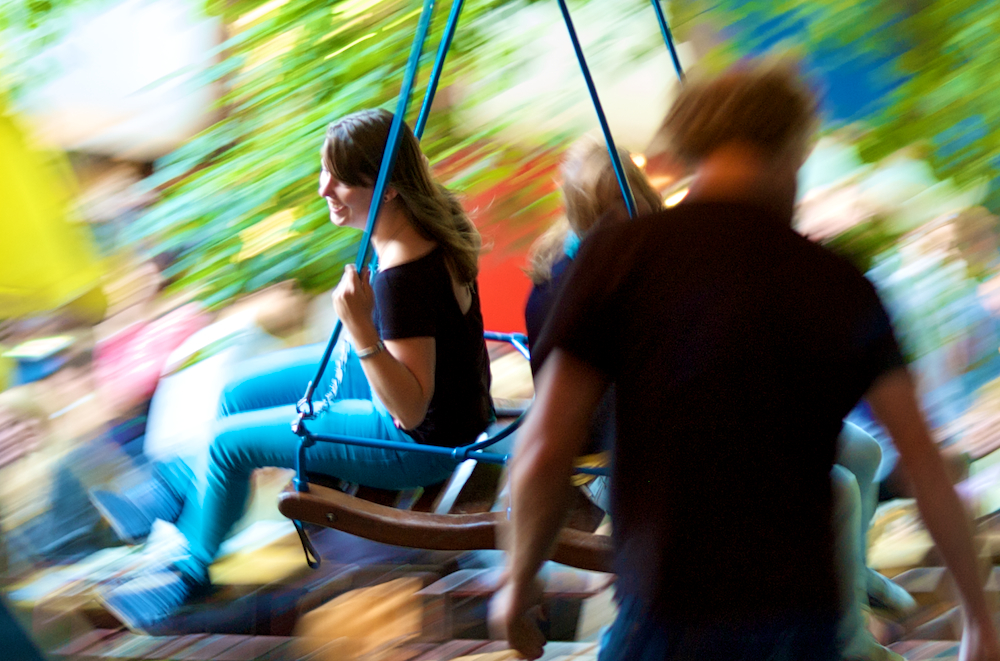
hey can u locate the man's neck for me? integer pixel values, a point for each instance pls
(738, 173)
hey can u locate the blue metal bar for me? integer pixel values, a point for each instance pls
(612, 150)
(521, 344)
(300, 481)
(499, 436)
(518, 340)
(668, 39)
(432, 84)
(305, 405)
(459, 453)
(395, 133)
(472, 451)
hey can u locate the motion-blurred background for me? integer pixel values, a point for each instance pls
(159, 215)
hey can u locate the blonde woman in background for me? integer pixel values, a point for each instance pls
(591, 195)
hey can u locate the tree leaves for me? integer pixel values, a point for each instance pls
(941, 68)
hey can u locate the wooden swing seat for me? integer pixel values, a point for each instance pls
(331, 508)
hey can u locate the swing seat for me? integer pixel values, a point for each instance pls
(450, 516)
(331, 508)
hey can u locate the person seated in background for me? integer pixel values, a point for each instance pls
(415, 369)
(591, 195)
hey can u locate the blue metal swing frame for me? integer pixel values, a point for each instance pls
(476, 450)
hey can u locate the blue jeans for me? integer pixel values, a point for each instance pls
(254, 431)
(638, 635)
(860, 454)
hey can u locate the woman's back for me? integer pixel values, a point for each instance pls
(416, 299)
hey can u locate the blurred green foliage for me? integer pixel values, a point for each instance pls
(863, 243)
(236, 206)
(945, 52)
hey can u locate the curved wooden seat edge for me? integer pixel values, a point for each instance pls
(330, 508)
(445, 532)
(584, 550)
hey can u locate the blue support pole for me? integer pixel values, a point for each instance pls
(432, 84)
(612, 150)
(668, 38)
(305, 406)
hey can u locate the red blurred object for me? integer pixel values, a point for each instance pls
(128, 364)
(510, 214)
(504, 290)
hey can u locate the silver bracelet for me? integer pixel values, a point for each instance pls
(374, 350)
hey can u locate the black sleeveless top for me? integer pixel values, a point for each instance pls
(416, 299)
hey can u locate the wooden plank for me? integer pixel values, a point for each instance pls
(933, 585)
(424, 530)
(254, 648)
(921, 650)
(208, 647)
(496, 650)
(87, 640)
(451, 650)
(447, 532)
(180, 644)
(554, 651)
(132, 646)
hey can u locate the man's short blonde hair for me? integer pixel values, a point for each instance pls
(765, 104)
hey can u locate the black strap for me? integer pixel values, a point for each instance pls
(312, 555)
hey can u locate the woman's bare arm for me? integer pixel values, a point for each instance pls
(402, 376)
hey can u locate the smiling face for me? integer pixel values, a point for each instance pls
(348, 204)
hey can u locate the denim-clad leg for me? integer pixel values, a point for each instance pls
(275, 379)
(280, 378)
(859, 453)
(638, 635)
(253, 439)
(848, 554)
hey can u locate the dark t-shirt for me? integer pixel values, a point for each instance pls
(416, 299)
(737, 347)
(541, 302)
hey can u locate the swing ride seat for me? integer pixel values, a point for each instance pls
(450, 516)
(331, 508)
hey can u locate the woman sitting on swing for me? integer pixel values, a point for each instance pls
(416, 368)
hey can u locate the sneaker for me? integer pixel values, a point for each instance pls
(145, 598)
(131, 513)
(129, 523)
(887, 598)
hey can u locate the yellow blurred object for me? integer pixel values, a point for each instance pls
(7, 366)
(367, 622)
(46, 261)
(597, 460)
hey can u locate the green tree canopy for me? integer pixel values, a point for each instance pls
(943, 52)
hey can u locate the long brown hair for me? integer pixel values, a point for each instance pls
(352, 153)
(590, 190)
